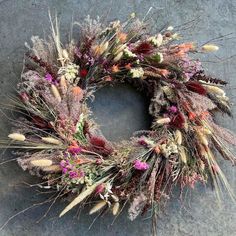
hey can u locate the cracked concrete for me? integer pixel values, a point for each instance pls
(198, 214)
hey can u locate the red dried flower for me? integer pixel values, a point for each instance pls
(97, 141)
(178, 121)
(83, 73)
(196, 87)
(144, 48)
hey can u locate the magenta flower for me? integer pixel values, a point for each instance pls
(48, 77)
(139, 165)
(73, 174)
(74, 150)
(64, 170)
(172, 109)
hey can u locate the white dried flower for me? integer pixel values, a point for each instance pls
(132, 15)
(137, 72)
(17, 137)
(115, 208)
(41, 162)
(128, 53)
(51, 140)
(170, 28)
(210, 48)
(70, 71)
(98, 207)
(163, 121)
(156, 40)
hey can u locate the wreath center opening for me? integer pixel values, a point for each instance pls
(120, 110)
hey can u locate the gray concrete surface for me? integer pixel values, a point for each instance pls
(199, 215)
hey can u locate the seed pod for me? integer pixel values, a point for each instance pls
(183, 155)
(17, 137)
(55, 92)
(52, 168)
(163, 121)
(116, 208)
(97, 207)
(216, 90)
(210, 48)
(41, 162)
(51, 140)
(178, 137)
(63, 84)
(118, 57)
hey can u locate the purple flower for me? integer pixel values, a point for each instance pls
(73, 174)
(64, 170)
(139, 165)
(172, 109)
(48, 77)
(74, 150)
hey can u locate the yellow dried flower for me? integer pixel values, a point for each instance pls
(17, 137)
(163, 121)
(214, 89)
(210, 48)
(51, 140)
(41, 162)
(116, 208)
(98, 207)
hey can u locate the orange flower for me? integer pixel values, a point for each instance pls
(128, 66)
(191, 115)
(122, 37)
(115, 69)
(77, 91)
(185, 47)
(204, 114)
(163, 72)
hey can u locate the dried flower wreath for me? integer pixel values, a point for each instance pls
(57, 139)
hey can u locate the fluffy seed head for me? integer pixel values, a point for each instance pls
(17, 137)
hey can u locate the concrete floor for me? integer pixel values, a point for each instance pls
(200, 215)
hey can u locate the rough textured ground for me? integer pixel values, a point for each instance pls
(200, 216)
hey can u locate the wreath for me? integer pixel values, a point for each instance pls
(56, 138)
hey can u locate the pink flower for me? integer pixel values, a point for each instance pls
(139, 165)
(48, 77)
(172, 109)
(100, 188)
